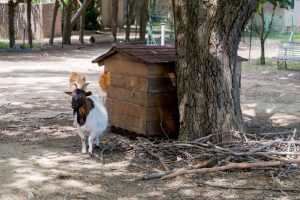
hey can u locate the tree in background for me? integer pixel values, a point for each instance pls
(143, 19)
(11, 22)
(52, 32)
(207, 37)
(70, 21)
(262, 29)
(131, 6)
(29, 30)
(115, 7)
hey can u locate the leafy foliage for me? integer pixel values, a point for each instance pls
(91, 18)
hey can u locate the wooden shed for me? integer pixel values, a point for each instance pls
(141, 96)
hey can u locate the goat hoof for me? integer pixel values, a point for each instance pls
(97, 147)
(91, 154)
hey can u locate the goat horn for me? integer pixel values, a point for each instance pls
(76, 86)
(84, 86)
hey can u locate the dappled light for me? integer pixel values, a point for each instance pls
(41, 152)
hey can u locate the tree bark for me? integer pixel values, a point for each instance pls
(144, 19)
(67, 33)
(80, 12)
(262, 32)
(207, 39)
(29, 30)
(82, 24)
(11, 22)
(115, 5)
(153, 4)
(129, 19)
(55, 11)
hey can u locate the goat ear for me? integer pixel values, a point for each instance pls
(69, 93)
(89, 93)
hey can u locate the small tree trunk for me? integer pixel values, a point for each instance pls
(115, 5)
(55, 11)
(262, 35)
(11, 23)
(129, 19)
(153, 4)
(262, 52)
(29, 30)
(82, 24)
(207, 39)
(144, 19)
(67, 23)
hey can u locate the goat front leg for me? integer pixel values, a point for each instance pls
(91, 139)
(82, 136)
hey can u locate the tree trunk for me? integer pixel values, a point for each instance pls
(55, 11)
(67, 33)
(115, 5)
(82, 24)
(262, 33)
(29, 30)
(144, 19)
(129, 19)
(153, 4)
(207, 39)
(11, 23)
(262, 52)
(80, 12)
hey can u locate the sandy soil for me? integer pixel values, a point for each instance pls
(40, 153)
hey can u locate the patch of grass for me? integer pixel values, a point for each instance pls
(4, 44)
(271, 65)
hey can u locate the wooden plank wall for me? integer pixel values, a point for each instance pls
(141, 98)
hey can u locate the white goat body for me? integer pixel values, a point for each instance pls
(94, 126)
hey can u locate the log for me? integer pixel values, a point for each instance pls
(101, 38)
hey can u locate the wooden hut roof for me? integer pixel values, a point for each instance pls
(146, 54)
(143, 53)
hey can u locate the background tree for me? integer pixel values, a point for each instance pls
(70, 21)
(29, 30)
(129, 18)
(207, 37)
(52, 32)
(143, 19)
(115, 7)
(262, 29)
(11, 22)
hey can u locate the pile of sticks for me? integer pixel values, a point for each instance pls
(253, 151)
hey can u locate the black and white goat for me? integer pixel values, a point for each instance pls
(90, 117)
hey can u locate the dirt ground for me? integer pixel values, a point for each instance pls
(40, 153)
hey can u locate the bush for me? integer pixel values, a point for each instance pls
(91, 18)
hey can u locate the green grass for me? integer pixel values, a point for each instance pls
(4, 44)
(271, 65)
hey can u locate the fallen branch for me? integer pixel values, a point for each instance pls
(161, 174)
(154, 155)
(243, 165)
(56, 116)
(183, 171)
(247, 188)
